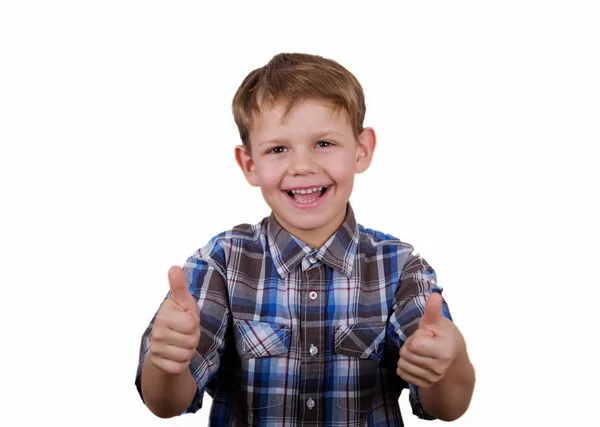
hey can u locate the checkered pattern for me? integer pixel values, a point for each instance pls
(258, 324)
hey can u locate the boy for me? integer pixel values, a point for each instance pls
(307, 318)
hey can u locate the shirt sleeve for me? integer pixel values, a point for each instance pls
(417, 281)
(205, 274)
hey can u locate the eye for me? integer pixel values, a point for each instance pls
(276, 150)
(324, 144)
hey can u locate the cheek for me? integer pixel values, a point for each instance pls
(342, 171)
(269, 176)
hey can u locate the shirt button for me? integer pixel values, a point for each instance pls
(313, 350)
(310, 403)
(313, 295)
(312, 259)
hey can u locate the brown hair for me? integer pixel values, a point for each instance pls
(295, 77)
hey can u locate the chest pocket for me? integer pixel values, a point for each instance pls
(263, 348)
(358, 349)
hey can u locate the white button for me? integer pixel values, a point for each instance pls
(313, 295)
(312, 259)
(313, 350)
(310, 403)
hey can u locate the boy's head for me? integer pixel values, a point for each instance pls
(292, 77)
(300, 118)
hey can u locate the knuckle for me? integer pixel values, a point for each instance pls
(413, 346)
(154, 347)
(418, 382)
(160, 318)
(447, 354)
(174, 368)
(438, 370)
(188, 325)
(159, 351)
(431, 378)
(179, 356)
(157, 334)
(403, 351)
(195, 341)
(163, 365)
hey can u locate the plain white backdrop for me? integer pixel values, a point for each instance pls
(117, 161)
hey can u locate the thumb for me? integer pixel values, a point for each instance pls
(433, 310)
(179, 290)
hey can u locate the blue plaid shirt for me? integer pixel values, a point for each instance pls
(297, 336)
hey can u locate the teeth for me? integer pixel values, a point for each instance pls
(308, 201)
(307, 191)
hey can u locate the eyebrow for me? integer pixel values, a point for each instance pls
(275, 141)
(327, 133)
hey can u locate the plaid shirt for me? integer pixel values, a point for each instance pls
(296, 336)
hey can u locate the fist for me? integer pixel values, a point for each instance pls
(176, 329)
(428, 353)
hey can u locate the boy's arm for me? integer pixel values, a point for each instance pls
(167, 395)
(175, 368)
(449, 398)
(433, 356)
(435, 359)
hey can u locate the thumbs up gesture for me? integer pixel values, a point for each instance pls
(428, 353)
(176, 329)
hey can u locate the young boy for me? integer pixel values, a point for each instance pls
(306, 318)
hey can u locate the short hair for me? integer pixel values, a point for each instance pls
(293, 77)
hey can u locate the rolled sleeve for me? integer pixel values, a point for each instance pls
(207, 284)
(417, 281)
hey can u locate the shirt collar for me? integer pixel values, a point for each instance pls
(338, 252)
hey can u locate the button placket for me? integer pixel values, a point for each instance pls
(312, 339)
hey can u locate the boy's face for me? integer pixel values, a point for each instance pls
(304, 164)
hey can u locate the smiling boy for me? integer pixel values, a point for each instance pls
(306, 318)
(304, 163)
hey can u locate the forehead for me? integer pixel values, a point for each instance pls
(305, 113)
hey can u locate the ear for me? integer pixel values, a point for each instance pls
(365, 149)
(246, 164)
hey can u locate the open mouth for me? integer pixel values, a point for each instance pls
(307, 195)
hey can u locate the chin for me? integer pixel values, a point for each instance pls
(308, 221)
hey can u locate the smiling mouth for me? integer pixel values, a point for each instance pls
(307, 195)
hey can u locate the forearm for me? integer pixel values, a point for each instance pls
(164, 394)
(449, 398)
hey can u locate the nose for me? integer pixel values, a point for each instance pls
(302, 163)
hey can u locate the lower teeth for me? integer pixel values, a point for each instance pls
(307, 201)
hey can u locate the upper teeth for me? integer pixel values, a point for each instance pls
(307, 191)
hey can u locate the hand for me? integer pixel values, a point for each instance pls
(428, 353)
(176, 329)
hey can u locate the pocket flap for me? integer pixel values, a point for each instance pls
(362, 340)
(261, 339)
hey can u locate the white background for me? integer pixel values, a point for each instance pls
(117, 161)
